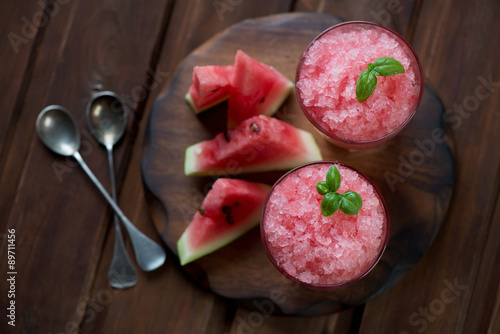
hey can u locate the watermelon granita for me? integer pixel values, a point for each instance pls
(326, 84)
(318, 251)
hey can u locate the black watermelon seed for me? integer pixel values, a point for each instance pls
(254, 127)
(226, 209)
(201, 210)
(230, 219)
(226, 135)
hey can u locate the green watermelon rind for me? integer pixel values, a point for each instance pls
(280, 99)
(187, 255)
(197, 111)
(313, 153)
(190, 165)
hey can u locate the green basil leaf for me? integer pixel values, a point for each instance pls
(330, 204)
(351, 203)
(365, 85)
(322, 188)
(333, 178)
(386, 67)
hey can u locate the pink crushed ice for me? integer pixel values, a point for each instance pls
(327, 83)
(322, 250)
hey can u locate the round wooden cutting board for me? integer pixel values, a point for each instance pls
(414, 172)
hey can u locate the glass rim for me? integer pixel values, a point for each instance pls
(384, 241)
(371, 142)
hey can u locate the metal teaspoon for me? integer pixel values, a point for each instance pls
(107, 120)
(58, 131)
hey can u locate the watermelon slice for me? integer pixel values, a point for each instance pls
(260, 143)
(210, 86)
(257, 89)
(231, 208)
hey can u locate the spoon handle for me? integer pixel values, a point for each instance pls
(121, 273)
(112, 177)
(149, 254)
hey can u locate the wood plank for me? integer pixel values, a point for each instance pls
(18, 54)
(30, 232)
(20, 35)
(394, 14)
(194, 22)
(184, 306)
(461, 254)
(60, 235)
(483, 316)
(163, 301)
(258, 321)
(465, 248)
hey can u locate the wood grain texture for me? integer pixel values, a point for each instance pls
(453, 62)
(394, 14)
(184, 306)
(247, 320)
(64, 246)
(18, 39)
(59, 217)
(417, 202)
(16, 75)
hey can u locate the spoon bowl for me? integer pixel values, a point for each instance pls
(107, 121)
(107, 118)
(58, 131)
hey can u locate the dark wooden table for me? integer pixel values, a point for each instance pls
(61, 52)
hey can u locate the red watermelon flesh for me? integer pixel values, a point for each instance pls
(257, 89)
(211, 85)
(231, 208)
(260, 143)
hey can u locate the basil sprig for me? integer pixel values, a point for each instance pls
(367, 80)
(349, 202)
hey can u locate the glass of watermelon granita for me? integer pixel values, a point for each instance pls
(317, 251)
(326, 79)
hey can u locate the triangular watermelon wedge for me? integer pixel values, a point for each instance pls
(231, 208)
(210, 86)
(257, 89)
(260, 143)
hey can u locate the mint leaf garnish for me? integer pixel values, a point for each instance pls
(365, 85)
(333, 178)
(367, 81)
(386, 67)
(331, 202)
(322, 188)
(349, 202)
